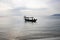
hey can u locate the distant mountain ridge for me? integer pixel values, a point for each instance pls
(56, 15)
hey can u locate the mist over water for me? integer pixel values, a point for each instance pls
(15, 28)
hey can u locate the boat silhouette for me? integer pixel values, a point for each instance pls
(30, 19)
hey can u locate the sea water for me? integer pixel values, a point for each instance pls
(15, 28)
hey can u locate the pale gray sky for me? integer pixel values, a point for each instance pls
(29, 7)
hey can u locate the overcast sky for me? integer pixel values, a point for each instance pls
(29, 7)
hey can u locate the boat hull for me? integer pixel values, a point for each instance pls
(30, 20)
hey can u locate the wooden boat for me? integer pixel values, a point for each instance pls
(30, 19)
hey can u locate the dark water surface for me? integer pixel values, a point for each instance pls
(14, 28)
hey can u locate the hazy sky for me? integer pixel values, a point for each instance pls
(29, 7)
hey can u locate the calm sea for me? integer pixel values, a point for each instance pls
(14, 28)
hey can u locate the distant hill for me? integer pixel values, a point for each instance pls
(56, 15)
